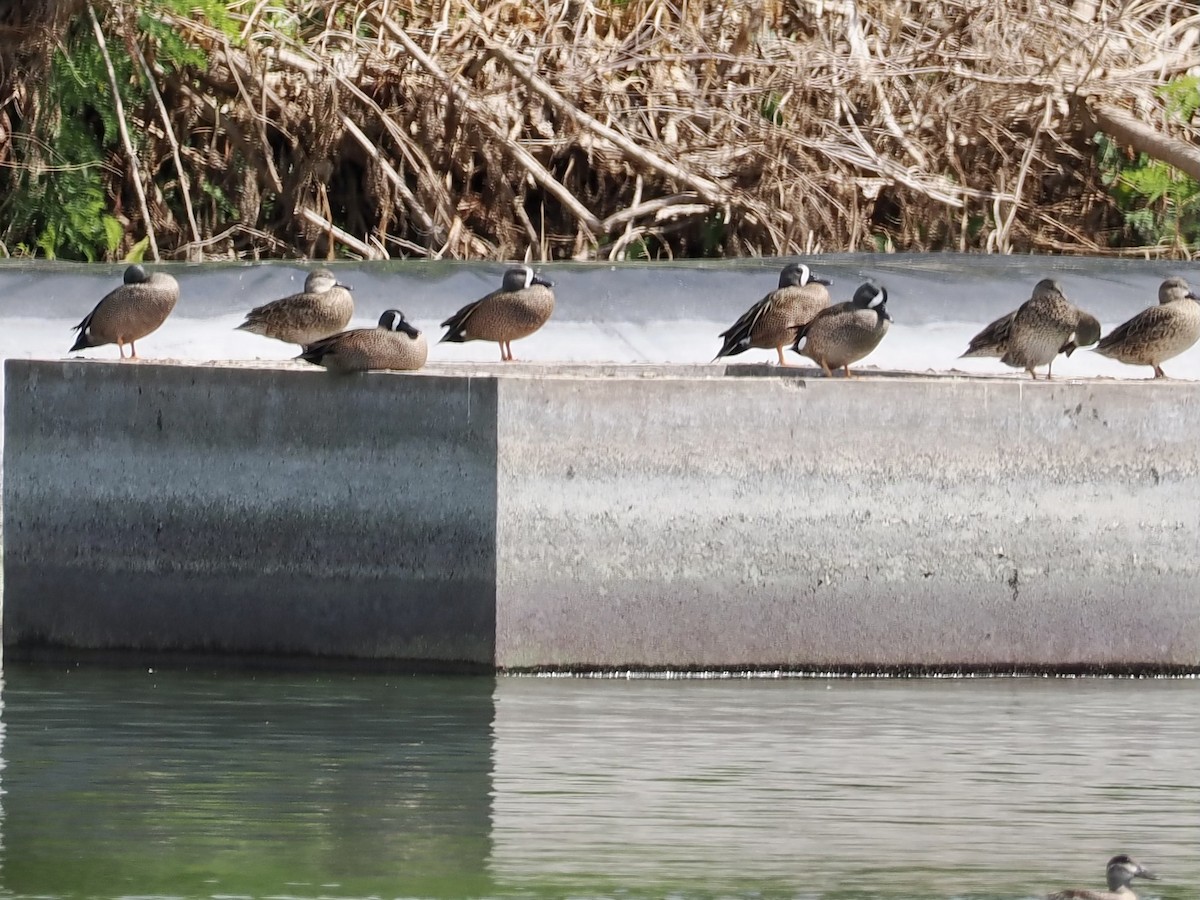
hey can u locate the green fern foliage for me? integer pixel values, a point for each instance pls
(1159, 203)
(60, 205)
(173, 53)
(1181, 96)
(58, 201)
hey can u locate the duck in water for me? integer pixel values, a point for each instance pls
(1120, 871)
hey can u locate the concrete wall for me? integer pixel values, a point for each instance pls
(631, 519)
(813, 523)
(160, 507)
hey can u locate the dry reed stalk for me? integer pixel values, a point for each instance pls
(588, 129)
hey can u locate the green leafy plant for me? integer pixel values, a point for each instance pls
(1160, 204)
(174, 53)
(59, 204)
(769, 109)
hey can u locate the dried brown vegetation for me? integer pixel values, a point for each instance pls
(591, 129)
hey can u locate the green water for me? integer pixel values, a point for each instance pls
(122, 783)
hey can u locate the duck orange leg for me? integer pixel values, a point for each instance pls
(782, 359)
(1159, 373)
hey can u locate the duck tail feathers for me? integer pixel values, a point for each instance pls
(84, 339)
(456, 325)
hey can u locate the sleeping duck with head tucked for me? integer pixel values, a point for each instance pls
(1044, 326)
(845, 333)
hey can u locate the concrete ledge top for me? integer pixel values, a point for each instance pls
(634, 371)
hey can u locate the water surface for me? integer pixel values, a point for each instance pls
(121, 783)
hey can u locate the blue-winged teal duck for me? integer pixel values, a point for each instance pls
(394, 344)
(843, 334)
(130, 312)
(1159, 333)
(1044, 326)
(519, 308)
(1120, 871)
(773, 320)
(323, 308)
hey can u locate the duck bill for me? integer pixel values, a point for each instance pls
(544, 282)
(1143, 872)
(824, 281)
(343, 286)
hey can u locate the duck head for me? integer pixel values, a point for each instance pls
(321, 280)
(798, 275)
(521, 277)
(1121, 870)
(393, 320)
(872, 296)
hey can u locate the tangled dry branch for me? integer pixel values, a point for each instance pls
(590, 129)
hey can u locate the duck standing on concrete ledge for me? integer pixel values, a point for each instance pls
(394, 344)
(323, 308)
(1120, 871)
(129, 313)
(773, 320)
(520, 307)
(1044, 326)
(1158, 333)
(845, 333)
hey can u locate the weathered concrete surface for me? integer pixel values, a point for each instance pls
(212, 509)
(619, 516)
(822, 523)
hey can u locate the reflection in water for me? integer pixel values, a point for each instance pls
(203, 785)
(141, 783)
(897, 788)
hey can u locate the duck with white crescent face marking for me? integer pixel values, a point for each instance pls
(1157, 333)
(129, 313)
(847, 332)
(323, 308)
(772, 321)
(1119, 872)
(1036, 332)
(522, 305)
(394, 344)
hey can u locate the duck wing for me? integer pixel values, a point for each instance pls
(737, 335)
(993, 340)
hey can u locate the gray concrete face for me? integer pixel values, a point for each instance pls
(156, 507)
(813, 523)
(529, 516)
